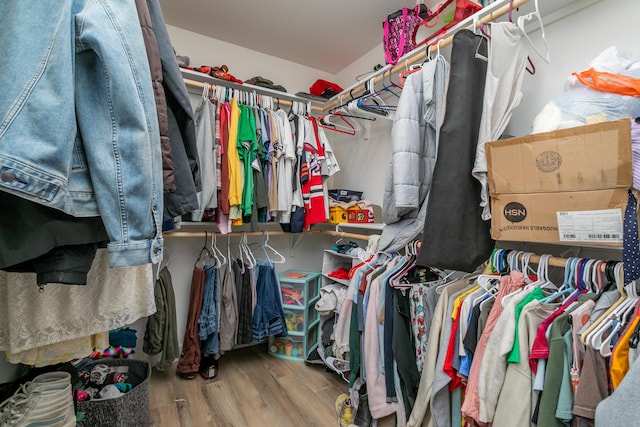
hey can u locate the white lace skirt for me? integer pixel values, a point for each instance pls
(111, 298)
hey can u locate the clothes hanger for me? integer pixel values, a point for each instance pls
(585, 338)
(487, 281)
(251, 260)
(378, 109)
(543, 274)
(530, 68)
(622, 317)
(265, 245)
(391, 86)
(343, 126)
(402, 77)
(567, 284)
(521, 22)
(204, 251)
(385, 90)
(217, 253)
(345, 113)
(240, 254)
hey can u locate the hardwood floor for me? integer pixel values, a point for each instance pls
(252, 389)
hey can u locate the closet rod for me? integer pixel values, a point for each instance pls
(554, 261)
(277, 100)
(422, 53)
(271, 233)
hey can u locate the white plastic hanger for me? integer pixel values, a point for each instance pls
(567, 286)
(522, 20)
(217, 253)
(586, 336)
(619, 316)
(265, 245)
(251, 260)
(594, 337)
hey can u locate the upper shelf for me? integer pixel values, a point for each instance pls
(197, 79)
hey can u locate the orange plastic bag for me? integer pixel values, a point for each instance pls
(609, 82)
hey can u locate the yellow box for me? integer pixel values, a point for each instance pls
(337, 215)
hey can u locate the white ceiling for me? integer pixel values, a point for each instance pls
(326, 35)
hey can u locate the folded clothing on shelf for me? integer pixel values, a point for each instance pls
(341, 273)
(331, 298)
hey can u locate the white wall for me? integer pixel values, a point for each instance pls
(573, 42)
(244, 63)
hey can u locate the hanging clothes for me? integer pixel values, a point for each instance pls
(462, 241)
(414, 144)
(108, 296)
(245, 301)
(161, 332)
(205, 124)
(268, 316)
(235, 173)
(311, 176)
(247, 146)
(502, 94)
(422, 412)
(155, 66)
(508, 284)
(208, 323)
(182, 136)
(189, 362)
(228, 309)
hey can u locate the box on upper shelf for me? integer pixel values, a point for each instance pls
(563, 186)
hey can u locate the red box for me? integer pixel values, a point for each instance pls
(359, 216)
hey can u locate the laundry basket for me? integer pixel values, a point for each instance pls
(130, 409)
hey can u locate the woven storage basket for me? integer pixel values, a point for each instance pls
(130, 409)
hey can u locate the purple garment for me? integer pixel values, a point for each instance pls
(635, 150)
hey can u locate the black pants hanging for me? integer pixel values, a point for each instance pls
(455, 236)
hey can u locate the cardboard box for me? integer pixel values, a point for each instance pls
(586, 217)
(567, 186)
(591, 157)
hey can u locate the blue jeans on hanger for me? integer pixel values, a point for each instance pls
(208, 323)
(268, 315)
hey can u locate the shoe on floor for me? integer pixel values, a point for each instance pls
(45, 401)
(343, 410)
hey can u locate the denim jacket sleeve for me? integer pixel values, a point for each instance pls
(117, 120)
(78, 125)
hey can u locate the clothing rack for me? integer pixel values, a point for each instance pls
(554, 261)
(191, 234)
(491, 13)
(198, 80)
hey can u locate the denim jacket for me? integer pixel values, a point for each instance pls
(78, 124)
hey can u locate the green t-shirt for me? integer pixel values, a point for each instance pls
(536, 294)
